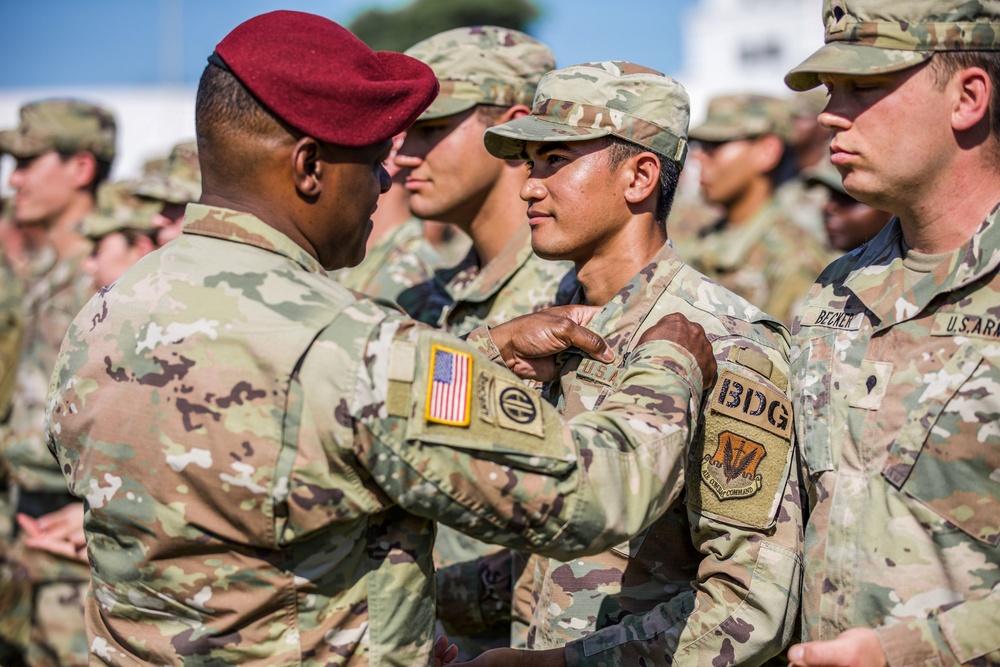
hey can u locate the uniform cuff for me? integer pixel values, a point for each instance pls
(663, 354)
(480, 339)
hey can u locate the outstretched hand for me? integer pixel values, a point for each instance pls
(689, 335)
(528, 344)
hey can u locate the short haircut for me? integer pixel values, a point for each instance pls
(230, 122)
(490, 114)
(620, 150)
(944, 64)
(102, 170)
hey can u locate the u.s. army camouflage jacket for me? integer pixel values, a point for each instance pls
(897, 395)
(767, 260)
(263, 455)
(514, 283)
(716, 579)
(401, 259)
(54, 294)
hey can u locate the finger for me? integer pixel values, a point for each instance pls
(587, 341)
(579, 313)
(28, 525)
(450, 654)
(816, 654)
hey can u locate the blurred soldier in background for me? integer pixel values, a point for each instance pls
(122, 231)
(716, 579)
(755, 249)
(848, 223)
(810, 144)
(488, 75)
(63, 151)
(399, 255)
(173, 187)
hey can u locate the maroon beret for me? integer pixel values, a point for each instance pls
(322, 80)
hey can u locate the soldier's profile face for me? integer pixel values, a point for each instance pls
(353, 179)
(447, 169)
(44, 186)
(575, 204)
(111, 257)
(728, 169)
(890, 133)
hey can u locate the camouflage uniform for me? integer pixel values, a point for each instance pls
(483, 65)
(401, 259)
(55, 292)
(716, 579)
(263, 385)
(766, 260)
(895, 386)
(118, 209)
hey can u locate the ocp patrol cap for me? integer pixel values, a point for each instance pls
(744, 115)
(63, 125)
(179, 181)
(880, 36)
(482, 65)
(594, 100)
(118, 209)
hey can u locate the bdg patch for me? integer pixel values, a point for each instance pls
(509, 405)
(731, 472)
(752, 402)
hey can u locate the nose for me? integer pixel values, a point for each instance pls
(408, 156)
(532, 189)
(384, 181)
(89, 265)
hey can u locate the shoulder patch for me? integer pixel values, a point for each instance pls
(741, 460)
(449, 387)
(752, 402)
(516, 408)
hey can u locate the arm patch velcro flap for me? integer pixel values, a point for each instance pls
(740, 464)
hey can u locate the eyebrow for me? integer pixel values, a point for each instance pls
(546, 148)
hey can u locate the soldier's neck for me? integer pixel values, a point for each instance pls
(498, 218)
(618, 260)
(63, 235)
(749, 203)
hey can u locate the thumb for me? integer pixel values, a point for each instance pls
(588, 342)
(815, 654)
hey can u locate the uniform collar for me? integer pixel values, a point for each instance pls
(240, 227)
(619, 320)
(877, 279)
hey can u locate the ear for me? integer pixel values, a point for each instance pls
(84, 169)
(767, 152)
(642, 174)
(307, 168)
(972, 105)
(516, 111)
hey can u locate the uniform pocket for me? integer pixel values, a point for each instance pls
(811, 365)
(947, 454)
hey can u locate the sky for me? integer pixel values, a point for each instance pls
(50, 43)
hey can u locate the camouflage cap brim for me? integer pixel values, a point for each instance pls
(443, 107)
(827, 176)
(721, 132)
(20, 146)
(169, 190)
(507, 141)
(851, 58)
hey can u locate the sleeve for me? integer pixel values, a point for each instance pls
(473, 596)
(452, 437)
(745, 513)
(966, 633)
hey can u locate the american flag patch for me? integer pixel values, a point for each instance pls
(449, 389)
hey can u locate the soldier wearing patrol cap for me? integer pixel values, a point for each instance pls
(894, 371)
(847, 223)
(174, 186)
(488, 75)
(263, 453)
(755, 249)
(122, 231)
(717, 577)
(63, 150)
